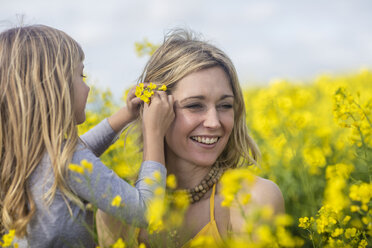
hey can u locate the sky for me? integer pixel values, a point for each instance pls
(266, 39)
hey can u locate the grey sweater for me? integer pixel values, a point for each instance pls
(54, 226)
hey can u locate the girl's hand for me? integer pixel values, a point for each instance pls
(133, 104)
(157, 117)
(126, 114)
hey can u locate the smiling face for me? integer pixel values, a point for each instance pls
(204, 118)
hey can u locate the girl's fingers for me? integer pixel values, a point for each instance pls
(135, 101)
(163, 96)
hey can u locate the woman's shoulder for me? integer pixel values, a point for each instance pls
(265, 192)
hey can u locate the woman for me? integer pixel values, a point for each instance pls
(207, 137)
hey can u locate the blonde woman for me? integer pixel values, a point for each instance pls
(207, 137)
(42, 99)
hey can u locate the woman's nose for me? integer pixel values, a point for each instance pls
(212, 119)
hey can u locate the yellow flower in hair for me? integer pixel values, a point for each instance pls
(152, 86)
(145, 93)
(144, 98)
(163, 88)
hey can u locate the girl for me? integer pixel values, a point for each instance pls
(42, 99)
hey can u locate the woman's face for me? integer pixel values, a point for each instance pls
(204, 117)
(81, 90)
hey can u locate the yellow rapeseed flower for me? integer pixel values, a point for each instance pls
(151, 86)
(149, 181)
(163, 88)
(304, 222)
(350, 233)
(171, 181)
(76, 168)
(87, 165)
(8, 238)
(154, 215)
(116, 201)
(119, 244)
(157, 176)
(142, 245)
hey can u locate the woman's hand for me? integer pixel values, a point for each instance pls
(157, 117)
(126, 114)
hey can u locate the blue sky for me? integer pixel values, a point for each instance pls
(266, 39)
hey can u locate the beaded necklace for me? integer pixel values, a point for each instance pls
(196, 193)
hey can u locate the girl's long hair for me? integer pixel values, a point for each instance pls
(36, 116)
(181, 54)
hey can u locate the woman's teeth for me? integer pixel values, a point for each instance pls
(205, 140)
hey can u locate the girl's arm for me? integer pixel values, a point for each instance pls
(101, 185)
(100, 137)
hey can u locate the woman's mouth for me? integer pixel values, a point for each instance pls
(205, 140)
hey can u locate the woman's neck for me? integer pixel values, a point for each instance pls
(188, 175)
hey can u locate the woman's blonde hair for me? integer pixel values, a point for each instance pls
(36, 116)
(181, 54)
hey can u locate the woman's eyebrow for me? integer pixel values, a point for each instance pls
(203, 97)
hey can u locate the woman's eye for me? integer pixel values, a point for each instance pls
(226, 106)
(194, 106)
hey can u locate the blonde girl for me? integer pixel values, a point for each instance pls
(42, 99)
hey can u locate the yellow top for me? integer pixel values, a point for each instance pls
(210, 230)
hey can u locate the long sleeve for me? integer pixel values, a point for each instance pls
(100, 137)
(102, 184)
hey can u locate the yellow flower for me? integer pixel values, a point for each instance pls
(304, 222)
(232, 182)
(163, 88)
(171, 181)
(283, 220)
(147, 93)
(76, 168)
(154, 215)
(144, 98)
(350, 232)
(142, 245)
(181, 199)
(151, 86)
(8, 238)
(346, 219)
(149, 181)
(159, 191)
(119, 244)
(337, 232)
(87, 165)
(157, 176)
(363, 243)
(265, 235)
(116, 201)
